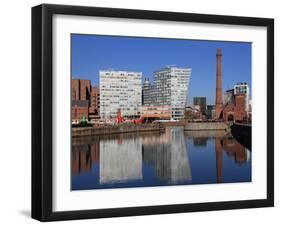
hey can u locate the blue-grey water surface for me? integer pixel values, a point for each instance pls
(173, 157)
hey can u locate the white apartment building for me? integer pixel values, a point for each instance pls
(170, 88)
(120, 90)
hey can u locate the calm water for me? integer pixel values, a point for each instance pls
(172, 157)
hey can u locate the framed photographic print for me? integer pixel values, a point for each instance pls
(145, 112)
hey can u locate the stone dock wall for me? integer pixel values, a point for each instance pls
(115, 129)
(195, 126)
(207, 133)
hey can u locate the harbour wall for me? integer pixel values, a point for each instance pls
(206, 133)
(115, 129)
(243, 134)
(195, 126)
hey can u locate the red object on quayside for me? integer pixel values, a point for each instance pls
(119, 117)
(136, 121)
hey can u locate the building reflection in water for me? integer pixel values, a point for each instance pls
(200, 142)
(120, 161)
(218, 148)
(223, 142)
(123, 161)
(169, 156)
(121, 157)
(84, 156)
(125, 158)
(232, 148)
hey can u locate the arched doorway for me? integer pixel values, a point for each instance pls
(230, 118)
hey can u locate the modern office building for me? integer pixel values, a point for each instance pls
(169, 88)
(201, 101)
(243, 88)
(148, 93)
(120, 91)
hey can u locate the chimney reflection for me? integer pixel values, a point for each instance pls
(218, 147)
(124, 158)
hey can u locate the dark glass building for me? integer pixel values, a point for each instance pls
(200, 101)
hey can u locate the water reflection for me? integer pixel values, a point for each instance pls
(199, 142)
(120, 161)
(168, 154)
(84, 156)
(153, 159)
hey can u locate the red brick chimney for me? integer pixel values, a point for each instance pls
(218, 86)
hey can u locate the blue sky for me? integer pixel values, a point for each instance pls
(91, 53)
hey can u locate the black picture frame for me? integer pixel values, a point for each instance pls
(42, 111)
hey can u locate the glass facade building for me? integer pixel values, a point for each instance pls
(148, 93)
(211, 111)
(169, 88)
(202, 102)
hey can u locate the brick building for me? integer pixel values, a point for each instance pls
(85, 89)
(94, 110)
(79, 109)
(80, 95)
(81, 89)
(75, 89)
(235, 111)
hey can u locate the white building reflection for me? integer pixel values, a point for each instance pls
(149, 159)
(169, 158)
(120, 162)
(180, 165)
